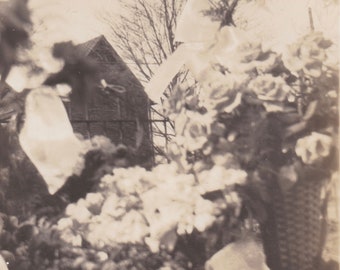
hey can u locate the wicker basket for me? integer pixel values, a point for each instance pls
(294, 231)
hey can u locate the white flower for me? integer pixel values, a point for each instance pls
(241, 60)
(204, 214)
(107, 182)
(308, 54)
(103, 143)
(203, 206)
(97, 234)
(69, 237)
(78, 212)
(110, 207)
(153, 244)
(192, 129)
(313, 148)
(269, 88)
(129, 181)
(186, 225)
(232, 199)
(102, 256)
(64, 223)
(94, 202)
(268, 63)
(162, 223)
(133, 228)
(222, 91)
(203, 221)
(177, 154)
(219, 178)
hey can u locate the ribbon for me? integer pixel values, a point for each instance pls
(47, 137)
(203, 41)
(3, 264)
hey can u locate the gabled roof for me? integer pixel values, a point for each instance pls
(86, 47)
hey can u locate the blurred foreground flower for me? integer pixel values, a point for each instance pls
(245, 254)
(79, 72)
(14, 27)
(3, 264)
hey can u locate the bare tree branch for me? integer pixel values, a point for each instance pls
(145, 34)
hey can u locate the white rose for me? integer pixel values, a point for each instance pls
(313, 148)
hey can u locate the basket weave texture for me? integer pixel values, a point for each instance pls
(294, 231)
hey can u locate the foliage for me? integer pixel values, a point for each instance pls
(14, 32)
(37, 245)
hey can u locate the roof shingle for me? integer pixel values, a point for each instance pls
(86, 47)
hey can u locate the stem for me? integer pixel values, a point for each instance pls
(311, 23)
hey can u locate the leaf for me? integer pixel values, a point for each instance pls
(254, 198)
(168, 240)
(310, 110)
(24, 233)
(4, 147)
(293, 129)
(325, 43)
(287, 178)
(237, 101)
(289, 117)
(2, 224)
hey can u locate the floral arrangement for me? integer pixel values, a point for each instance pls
(251, 123)
(272, 115)
(254, 120)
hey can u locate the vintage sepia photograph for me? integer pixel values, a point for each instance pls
(169, 134)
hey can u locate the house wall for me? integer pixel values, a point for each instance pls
(114, 114)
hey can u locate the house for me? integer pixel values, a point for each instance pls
(120, 111)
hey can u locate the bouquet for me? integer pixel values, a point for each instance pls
(275, 117)
(272, 115)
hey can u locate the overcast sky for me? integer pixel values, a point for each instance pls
(79, 20)
(76, 20)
